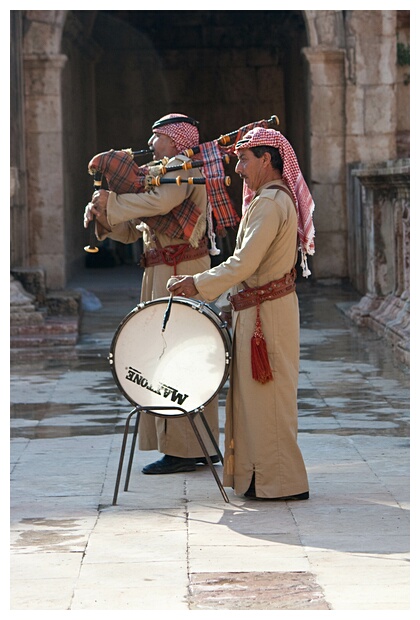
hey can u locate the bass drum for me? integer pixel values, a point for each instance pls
(185, 365)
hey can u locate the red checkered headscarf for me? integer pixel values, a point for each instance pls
(294, 180)
(184, 132)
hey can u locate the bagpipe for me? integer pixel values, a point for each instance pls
(124, 176)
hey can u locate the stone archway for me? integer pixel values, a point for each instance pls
(223, 68)
(53, 197)
(331, 130)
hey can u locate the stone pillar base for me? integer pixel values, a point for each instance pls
(389, 317)
(42, 330)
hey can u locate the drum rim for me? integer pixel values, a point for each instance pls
(221, 327)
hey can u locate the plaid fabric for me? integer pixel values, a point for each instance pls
(123, 176)
(212, 153)
(180, 223)
(230, 148)
(221, 205)
(293, 178)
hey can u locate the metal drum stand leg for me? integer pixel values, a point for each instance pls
(122, 453)
(210, 434)
(155, 411)
(206, 454)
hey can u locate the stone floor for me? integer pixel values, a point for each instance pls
(172, 542)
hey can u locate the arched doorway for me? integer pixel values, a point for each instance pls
(225, 68)
(118, 71)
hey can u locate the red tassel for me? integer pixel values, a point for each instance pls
(261, 370)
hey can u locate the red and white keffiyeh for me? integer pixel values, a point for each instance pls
(184, 134)
(294, 180)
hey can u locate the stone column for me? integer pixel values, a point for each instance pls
(385, 307)
(18, 198)
(386, 207)
(327, 148)
(44, 161)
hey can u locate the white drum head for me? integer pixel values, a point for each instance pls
(184, 366)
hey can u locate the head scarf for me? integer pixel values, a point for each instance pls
(294, 180)
(184, 133)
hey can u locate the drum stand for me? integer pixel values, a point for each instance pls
(155, 411)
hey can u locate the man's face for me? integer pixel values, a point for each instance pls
(162, 146)
(251, 169)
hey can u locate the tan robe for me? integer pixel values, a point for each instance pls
(261, 420)
(170, 436)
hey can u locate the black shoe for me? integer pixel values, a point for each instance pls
(293, 498)
(289, 498)
(201, 460)
(170, 465)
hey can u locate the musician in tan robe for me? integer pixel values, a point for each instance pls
(262, 456)
(121, 217)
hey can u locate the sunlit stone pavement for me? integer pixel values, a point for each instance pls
(172, 542)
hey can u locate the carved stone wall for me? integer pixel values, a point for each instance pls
(383, 250)
(356, 108)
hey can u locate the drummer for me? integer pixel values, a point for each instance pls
(128, 217)
(262, 456)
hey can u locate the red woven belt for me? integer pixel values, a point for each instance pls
(173, 254)
(273, 290)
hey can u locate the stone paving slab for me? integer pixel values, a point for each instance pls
(172, 542)
(138, 597)
(256, 591)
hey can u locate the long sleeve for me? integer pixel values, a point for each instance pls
(260, 229)
(126, 232)
(126, 211)
(159, 201)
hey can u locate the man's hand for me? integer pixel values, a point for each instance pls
(89, 215)
(183, 286)
(97, 208)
